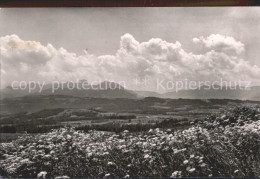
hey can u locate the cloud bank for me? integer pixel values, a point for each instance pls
(220, 57)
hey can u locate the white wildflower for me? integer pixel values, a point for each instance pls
(185, 162)
(146, 156)
(42, 174)
(192, 170)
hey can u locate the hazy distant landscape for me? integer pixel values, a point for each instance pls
(108, 89)
(113, 109)
(60, 111)
(129, 92)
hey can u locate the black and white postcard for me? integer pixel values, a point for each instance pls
(102, 92)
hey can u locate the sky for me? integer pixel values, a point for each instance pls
(129, 44)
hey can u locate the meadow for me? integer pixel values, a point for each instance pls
(223, 145)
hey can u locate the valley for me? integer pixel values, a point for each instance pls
(42, 113)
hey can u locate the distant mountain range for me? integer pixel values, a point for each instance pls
(149, 105)
(217, 92)
(108, 89)
(103, 90)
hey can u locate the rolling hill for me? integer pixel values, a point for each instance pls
(111, 90)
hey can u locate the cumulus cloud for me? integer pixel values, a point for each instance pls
(133, 61)
(221, 43)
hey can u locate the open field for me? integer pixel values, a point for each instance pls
(144, 113)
